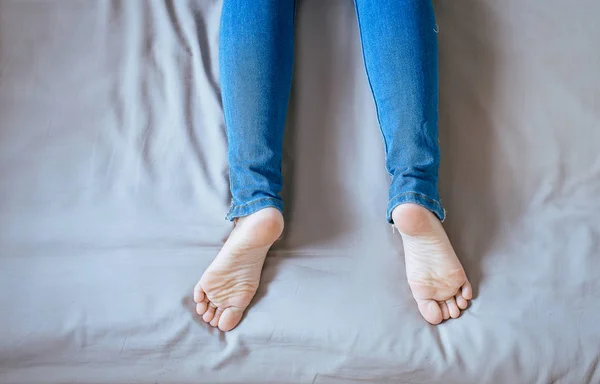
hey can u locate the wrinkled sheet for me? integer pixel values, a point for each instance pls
(114, 187)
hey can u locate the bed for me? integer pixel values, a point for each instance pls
(114, 188)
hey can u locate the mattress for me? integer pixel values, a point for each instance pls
(114, 188)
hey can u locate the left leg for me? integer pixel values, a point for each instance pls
(256, 47)
(400, 52)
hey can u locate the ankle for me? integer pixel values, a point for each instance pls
(412, 219)
(265, 225)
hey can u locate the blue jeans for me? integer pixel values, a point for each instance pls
(399, 44)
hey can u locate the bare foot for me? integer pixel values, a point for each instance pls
(230, 282)
(436, 278)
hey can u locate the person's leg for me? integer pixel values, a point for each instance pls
(255, 55)
(399, 40)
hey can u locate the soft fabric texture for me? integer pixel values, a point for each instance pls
(114, 185)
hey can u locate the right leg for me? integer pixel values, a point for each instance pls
(256, 54)
(401, 58)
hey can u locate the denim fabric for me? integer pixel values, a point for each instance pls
(399, 44)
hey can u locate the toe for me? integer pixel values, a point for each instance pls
(215, 321)
(467, 291)
(209, 314)
(201, 307)
(453, 308)
(430, 310)
(445, 311)
(230, 318)
(199, 295)
(461, 302)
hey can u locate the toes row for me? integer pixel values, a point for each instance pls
(209, 312)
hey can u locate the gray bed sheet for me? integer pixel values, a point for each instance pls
(113, 191)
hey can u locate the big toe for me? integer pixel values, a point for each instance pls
(230, 318)
(431, 311)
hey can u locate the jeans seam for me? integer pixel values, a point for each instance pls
(437, 203)
(362, 44)
(236, 207)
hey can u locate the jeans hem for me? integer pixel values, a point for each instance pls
(416, 198)
(254, 206)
